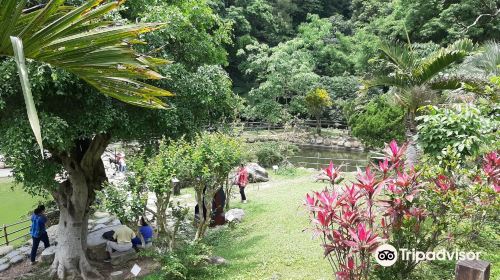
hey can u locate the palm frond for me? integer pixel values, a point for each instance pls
(78, 40)
(442, 59)
(398, 55)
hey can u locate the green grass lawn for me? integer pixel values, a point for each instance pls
(271, 242)
(14, 203)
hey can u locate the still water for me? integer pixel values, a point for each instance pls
(320, 158)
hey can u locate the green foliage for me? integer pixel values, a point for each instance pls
(274, 153)
(455, 133)
(194, 35)
(186, 262)
(377, 122)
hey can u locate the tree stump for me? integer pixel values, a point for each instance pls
(472, 270)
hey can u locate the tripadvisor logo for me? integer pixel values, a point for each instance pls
(387, 255)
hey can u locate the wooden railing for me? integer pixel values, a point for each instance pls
(19, 229)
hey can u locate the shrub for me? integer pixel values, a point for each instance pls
(186, 262)
(377, 122)
(274, 153)
(393, 204)
(454, 133)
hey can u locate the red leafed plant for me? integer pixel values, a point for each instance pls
(386, 202)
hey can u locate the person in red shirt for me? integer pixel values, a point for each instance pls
(242, 182)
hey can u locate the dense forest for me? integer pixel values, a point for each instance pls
(277, 51)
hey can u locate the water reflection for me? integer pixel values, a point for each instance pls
(319, 158)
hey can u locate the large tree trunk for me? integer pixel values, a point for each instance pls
(85, 175)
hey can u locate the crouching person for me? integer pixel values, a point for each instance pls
(123, 236)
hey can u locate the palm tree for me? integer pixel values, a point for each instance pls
(78, 40)
(486, 63)
(417, 80)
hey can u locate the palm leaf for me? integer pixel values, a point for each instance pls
(442, 59)
(25, 85)
(399, 56)
(78, 40)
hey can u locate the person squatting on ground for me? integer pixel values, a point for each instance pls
(146, 231)
(242, 182)
(38, 231)
(123, 236)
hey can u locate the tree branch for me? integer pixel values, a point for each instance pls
(95, 150)
(492, 15)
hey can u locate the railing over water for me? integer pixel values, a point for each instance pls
(318, 162)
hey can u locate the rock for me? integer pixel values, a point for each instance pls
(256, 173)
(17, 259)
(4, 267)
(104, 220)
(235, 215)
(100, 215)
(4, 260)
(12, 254)
(215, 260)
(115, 275)
(4, 250)
(48, 254)
(119, 258)
(348, 144)
(356, 144)
(99, 226)
(327, 142)
(96, 245)
(319, 141)
(115, 222)
(25, 250)
(52, 233)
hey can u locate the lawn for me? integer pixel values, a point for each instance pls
(14, 203)
(271, 242)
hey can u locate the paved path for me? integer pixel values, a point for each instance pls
(5, 172)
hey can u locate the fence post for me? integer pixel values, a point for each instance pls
(472, 270)
(317, 160)
(5, 234)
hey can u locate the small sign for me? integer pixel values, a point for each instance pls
(275, 167)
(135, 270)
(175, 180)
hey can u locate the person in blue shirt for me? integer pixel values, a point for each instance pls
(38, 231)
(146, 231)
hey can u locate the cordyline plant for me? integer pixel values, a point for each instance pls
(385, 203)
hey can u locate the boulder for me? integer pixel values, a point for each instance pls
(327, 142)
(26, 250)
(4, 250)
(48, 254)
(52, 234)
(256, 173)
(115, 275)
(99, 226)
(4, 260)
(235, 215)
(12, 254)
(319, 140)
(348, 144)
(96, 245)
(100, 215)
(4, 267)
(104, 220)
(120, 258)
(215, 260)
(17, 259)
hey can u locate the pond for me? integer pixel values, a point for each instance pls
(312, 157)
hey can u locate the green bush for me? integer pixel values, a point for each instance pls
(376, 123)
(186, 262)
(455, 133)
(274, 153)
